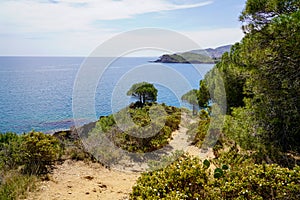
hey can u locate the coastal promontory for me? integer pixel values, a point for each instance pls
(208, 56)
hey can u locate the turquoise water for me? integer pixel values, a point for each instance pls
(36, 93)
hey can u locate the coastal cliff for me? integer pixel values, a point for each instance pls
(208, 56)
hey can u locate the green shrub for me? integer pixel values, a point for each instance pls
(165, 160)
(32, 154)
(198, 131)
(106, 122)
(39, 151)
(187, 178)
(35, 152)
(16, 186)
(10, 151)
(76, 153)
(159, 128)
(253, 181)
(240, 127)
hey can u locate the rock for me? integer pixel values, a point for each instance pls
(89, 177)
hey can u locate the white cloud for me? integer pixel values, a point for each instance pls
(67, 27)
(73, 15)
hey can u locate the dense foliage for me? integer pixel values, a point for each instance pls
(138, 129)
(16, 186)
(183, 179)
(198, 130)
(191, 98)
(188, 178)
(262, 83)
(258, 13)
(22, 159)
(262, 79)
(35, 152)
(143, 91)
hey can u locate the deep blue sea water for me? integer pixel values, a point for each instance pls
(36, 93)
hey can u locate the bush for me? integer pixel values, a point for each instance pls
(133, 138)
(164, 160)
(10, 151)
(187, 178)
(197, 132)
(35, 152)
(22, 157)
(16, 186)
(39, 152)
(253, 181)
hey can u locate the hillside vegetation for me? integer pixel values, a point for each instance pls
(195, 56)
(22, 159)
(257, 151)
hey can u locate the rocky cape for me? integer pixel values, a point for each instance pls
(208, 56)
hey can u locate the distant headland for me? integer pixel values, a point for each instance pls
(205, 56)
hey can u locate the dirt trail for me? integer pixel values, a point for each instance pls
(77, 180)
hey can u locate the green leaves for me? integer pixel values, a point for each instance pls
(225, 167)
(206, 163)
(40, 151)
(259, 13)
(203, 95)
(192, 98)
(200, 97)
(187, 178)
(143, 91)
(183, 179)
(34, 151)
(262, 80)
(218, 173)
(144, 133)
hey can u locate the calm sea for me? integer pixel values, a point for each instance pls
(36, 93)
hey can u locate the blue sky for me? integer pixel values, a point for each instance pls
(77, 27)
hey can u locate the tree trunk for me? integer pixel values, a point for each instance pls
(144, 98)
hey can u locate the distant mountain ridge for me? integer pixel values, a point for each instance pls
(208, 55)
(213, 53)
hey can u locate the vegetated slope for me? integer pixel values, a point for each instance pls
(209, 55)
(75, 179)
(262, 82)
(213, 53)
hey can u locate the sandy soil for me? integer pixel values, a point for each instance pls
(79, 180)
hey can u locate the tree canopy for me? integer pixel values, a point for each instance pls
(261, 75)
(143, 91)
(203, 95)
(258, 13)
(191, 98)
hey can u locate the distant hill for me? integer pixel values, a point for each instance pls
(213, 53)
(195, 56)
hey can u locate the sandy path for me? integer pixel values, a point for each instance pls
(79, 180)
(188, 148)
